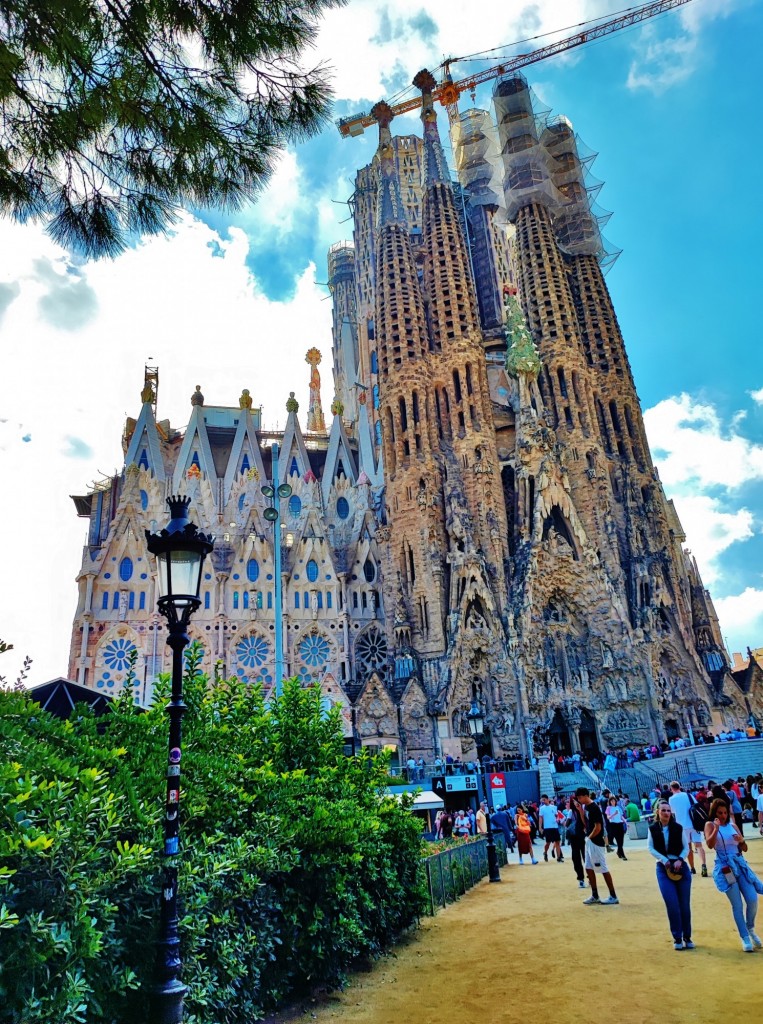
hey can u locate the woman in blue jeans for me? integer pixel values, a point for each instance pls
(667, 844)
(732, 874)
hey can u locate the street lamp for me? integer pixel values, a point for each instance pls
(274, 492)
(476, 721)
(180, 550)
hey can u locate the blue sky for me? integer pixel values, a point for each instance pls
(235, 301)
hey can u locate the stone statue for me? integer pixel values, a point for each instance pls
(197, 398)
(245, 401)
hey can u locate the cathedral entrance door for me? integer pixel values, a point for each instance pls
(671, 729)
(484, 744)
(589, 743)
(559, 736)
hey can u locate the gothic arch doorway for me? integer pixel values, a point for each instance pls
(559, 735)
(671, 729)
(589, 743)
(484, 744)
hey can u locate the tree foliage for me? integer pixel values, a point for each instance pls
(114, 113)
(293, 863)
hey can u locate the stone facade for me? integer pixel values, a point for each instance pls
(483, 521)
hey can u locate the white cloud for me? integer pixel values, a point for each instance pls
(404, 40)
(187, 302)
(662, 62)
(757, 396)
(710, 530)
(742, 618)
(693, 450)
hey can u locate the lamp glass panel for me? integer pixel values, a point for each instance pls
(186, 572)
(164, 583)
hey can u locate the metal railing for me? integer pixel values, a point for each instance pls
(452, 872)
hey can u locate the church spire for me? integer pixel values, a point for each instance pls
(389, 209)
(315, 420)
(435, 165)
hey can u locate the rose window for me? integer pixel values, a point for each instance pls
(116, 654)
(314, 651)
(252, 652)
(371, 652)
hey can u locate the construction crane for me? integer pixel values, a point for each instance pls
(449, 91)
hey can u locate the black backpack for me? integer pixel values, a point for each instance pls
(698, 815)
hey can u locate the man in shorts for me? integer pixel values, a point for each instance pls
(595, 854)
(549, 828)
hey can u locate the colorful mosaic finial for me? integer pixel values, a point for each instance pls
(292, 405)
(337, 407)
(315, 419)
(522, 355)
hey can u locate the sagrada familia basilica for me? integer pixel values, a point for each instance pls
(481, 522)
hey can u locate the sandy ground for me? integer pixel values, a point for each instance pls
(528, 950)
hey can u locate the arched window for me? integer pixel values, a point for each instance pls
(241, 500)
(143, 460)
(143, 500)
(246, 600)
(235, 599)
(245, 467)
(312, 570)
(369, 570)
(252, 570)
(125, 569)
(342, 508)
(295, 505)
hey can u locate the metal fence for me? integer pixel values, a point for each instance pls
(451, 873)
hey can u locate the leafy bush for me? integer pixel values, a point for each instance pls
(293, 863)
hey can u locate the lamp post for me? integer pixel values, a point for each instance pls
(180, 550)
(476, 728)
(274, 492)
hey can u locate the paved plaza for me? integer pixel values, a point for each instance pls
(528, 949)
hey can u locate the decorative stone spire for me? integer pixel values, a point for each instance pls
(292, 405)
(315, 420)
(389, 206)
(522, 355)
(435, 165)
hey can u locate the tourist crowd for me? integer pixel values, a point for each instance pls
(682, 824)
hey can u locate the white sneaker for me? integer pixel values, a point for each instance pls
(592, 901)
(756, 941)
(610, 901)
(747, 946)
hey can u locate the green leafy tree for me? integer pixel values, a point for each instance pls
(114, 114)
(294, 863)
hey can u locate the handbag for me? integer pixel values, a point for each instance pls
(674, 876)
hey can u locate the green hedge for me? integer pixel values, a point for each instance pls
(293, 863)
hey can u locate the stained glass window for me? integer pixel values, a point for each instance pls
(116, 654)
(314, 650)
(252, 651)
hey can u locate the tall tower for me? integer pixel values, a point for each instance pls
(413, 472)
(461, 395)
